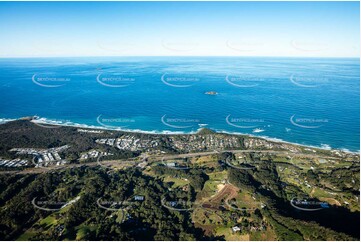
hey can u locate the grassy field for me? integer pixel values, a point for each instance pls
(230, 235)
(267, 234)
(177, 182)
(204, 159)
(27, 235)
(218, 176)
(46, 223)
(83, 230)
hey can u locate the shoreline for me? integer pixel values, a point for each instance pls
(45, 121)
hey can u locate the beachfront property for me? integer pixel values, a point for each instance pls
(184, 143)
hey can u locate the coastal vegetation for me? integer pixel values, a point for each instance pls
(161, 188)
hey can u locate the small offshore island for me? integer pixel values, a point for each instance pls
(211, 93)
(212, 185)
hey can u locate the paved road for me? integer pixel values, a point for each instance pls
(151, 159)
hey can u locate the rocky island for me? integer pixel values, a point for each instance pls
(211, 93)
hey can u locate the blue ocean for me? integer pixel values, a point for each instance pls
(309, 101)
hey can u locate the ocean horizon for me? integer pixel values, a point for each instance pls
(307, 101)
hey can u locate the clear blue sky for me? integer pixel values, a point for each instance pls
(179, 28)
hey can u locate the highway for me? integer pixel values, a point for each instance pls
(150, 159)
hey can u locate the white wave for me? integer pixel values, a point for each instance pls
(72, 124)
(258, 130)
(5, 120)
(347, 150)
(326, 147)
(278, 140)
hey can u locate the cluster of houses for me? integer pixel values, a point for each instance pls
(109, 142)
(205, 142)
(93, 154)
(44, 157)
(254, 143)
(130, 142)
(260, 227)
(180, 142)
(138, 198)
(13, 163)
